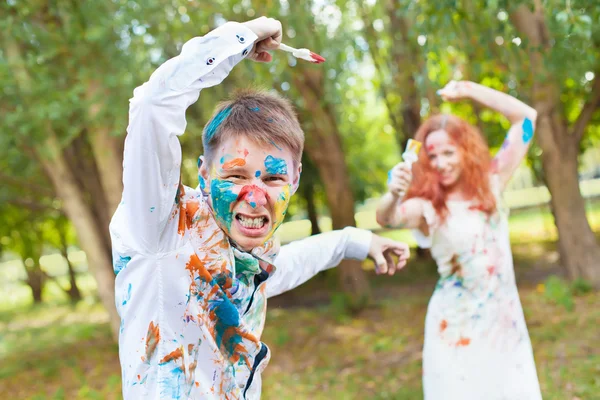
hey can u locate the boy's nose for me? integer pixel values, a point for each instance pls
(255, 196)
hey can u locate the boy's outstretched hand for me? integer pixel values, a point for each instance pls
(383, 250)
(269, 34)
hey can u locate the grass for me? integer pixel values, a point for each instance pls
(57, 351)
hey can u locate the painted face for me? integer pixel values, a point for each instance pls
(249, 188)
(444, 157)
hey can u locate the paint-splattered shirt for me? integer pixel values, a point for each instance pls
(193, 307)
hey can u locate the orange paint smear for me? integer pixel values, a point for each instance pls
(463, 342)
(174, 355)
(443, 325)
(236, 162)
(196, 266)
(152, 339)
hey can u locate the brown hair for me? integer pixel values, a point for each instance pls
(262, 116)
(475, 159)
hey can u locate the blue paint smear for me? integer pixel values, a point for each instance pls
(273, 143)
(255, 109)
(128, 296)
(275, 166)
(202, 182)
(527, 130)
(227, 316)
(252, 204)
(257, 174)
(222, 198)
(152, 209)
(213, 126)
(171, 384)
(121, 263)
(389, 179)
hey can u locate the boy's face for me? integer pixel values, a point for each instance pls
(249, 188)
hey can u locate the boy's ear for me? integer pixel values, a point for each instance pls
(203, 173)
(296, 181)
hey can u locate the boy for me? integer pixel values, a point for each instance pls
(195, 267)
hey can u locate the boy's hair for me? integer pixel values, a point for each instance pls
(262, 116)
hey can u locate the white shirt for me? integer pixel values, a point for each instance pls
(191, 312)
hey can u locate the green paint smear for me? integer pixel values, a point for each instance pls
(222, 199)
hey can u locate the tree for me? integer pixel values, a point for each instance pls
(548, 50)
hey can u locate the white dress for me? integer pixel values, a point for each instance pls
(476, 340)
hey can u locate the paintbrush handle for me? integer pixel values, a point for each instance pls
(287, 48)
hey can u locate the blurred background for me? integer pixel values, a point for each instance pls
(68, 68)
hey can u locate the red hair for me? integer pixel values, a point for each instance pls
(475, 164)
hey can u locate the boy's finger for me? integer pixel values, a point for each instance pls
(263, 57)
(402, 251)
(380, 264)
(390, 262)
(401, 264)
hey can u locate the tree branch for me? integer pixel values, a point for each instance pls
(31, 205)
(30, 187)
(588, 110)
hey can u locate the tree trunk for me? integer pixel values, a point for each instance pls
(577, 244)
(35, 281)
(73, 292)
(309, 195)
(324, 147)
(91, 236)
(107, 150)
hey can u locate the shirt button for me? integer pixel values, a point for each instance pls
(245, 52)
(240, 39)
(210, 61)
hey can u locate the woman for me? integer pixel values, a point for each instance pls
(476, 340)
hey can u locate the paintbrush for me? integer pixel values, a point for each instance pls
(304, 54)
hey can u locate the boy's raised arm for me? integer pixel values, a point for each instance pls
(152, 158)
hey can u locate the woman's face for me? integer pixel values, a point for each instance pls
(444, 156)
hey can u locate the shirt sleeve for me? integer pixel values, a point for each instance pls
(152, 157)
(299, 261)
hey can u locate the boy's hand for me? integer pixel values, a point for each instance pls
(399, 179)
(269, 34)
(381, 252)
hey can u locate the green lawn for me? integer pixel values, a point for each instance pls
(61, 352)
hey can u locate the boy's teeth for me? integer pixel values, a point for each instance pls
(251, 222)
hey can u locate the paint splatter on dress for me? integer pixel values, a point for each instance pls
(192, 306)
(476, 340)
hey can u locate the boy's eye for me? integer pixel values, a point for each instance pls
(273, 179)
(235, 177)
